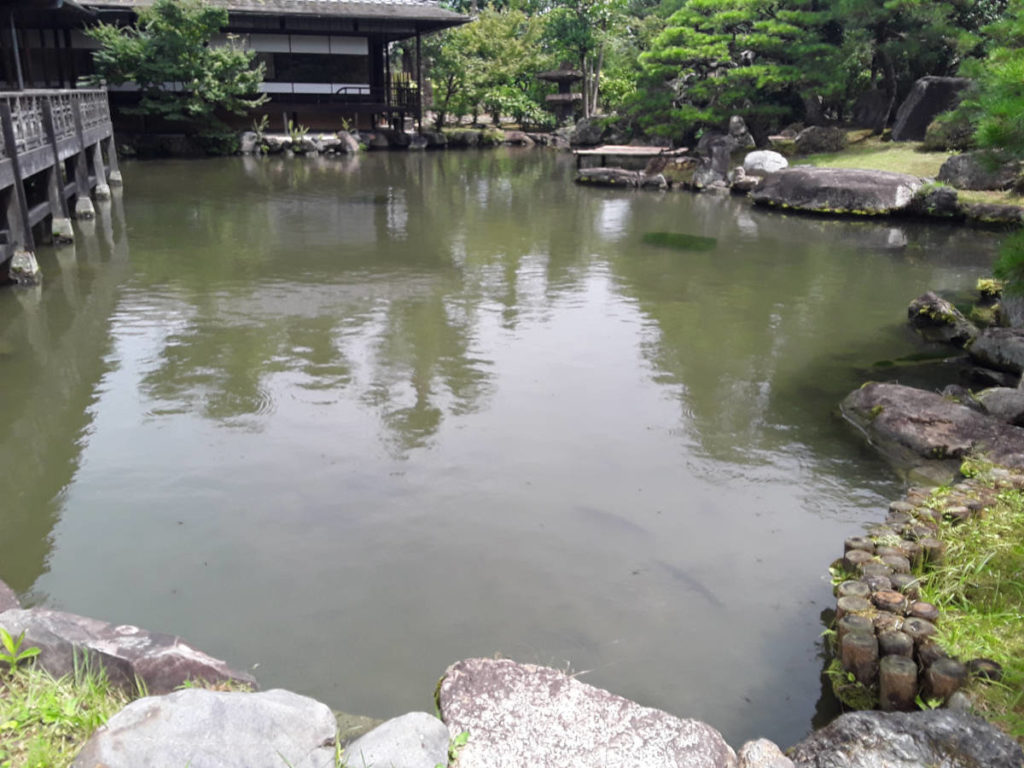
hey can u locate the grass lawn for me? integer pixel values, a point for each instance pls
(980, 592)
(870, 152)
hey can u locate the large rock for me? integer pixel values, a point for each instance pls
(463, 139)
(909, 424)
(999, 348)
(590, 131)
(819, 138)
(714, 151)
(971, 171)
(930, 97)
(619, 177)
(763, 161)
(162, 662)
(937, 737)
(8, 599)
(936, 319)
(740, 133)
(763, 753)
(249, 143)
(937, 200)
(523, 715)
(871, 110)
(1005, 403)
(518, 139)
(348, 143)
(838, 190)
(415, 740)
(214, 729)
(993, 214)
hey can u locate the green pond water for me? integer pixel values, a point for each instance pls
(347, 421)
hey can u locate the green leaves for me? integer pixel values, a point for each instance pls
(12, 653)
(169, 54)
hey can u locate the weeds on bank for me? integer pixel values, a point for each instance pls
(979, 590)
(44, 721)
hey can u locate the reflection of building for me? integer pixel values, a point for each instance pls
(325, 59)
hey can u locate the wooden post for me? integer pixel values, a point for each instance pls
(858, 653)
(102, 190)
(114, 177)
(60, 217)
(83, 205)
(944, 678)
(419, 84)
(897, 685)
(19, 223)
(23, 267)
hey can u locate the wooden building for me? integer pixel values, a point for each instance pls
(325, 59)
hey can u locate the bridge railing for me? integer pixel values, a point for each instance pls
(28, 115)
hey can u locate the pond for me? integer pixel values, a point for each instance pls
(347, 421)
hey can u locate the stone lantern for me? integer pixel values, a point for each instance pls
(562, 103)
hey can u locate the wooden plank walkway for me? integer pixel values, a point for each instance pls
(625, 150)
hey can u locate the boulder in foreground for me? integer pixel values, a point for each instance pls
(937, 737)
(908, 424)
(415, 740)
(215, 729)
(838, 190)
(524, 715)
(162, 662)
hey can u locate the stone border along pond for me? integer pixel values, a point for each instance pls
(491, 713)
(765, 176)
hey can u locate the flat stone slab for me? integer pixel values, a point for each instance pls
(938, 737)
(521, 715)
(415, 740)
(215, 729)
(837, 190)
(906, 422)
(163, 662)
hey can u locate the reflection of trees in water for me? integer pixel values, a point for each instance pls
(53, 346)
(755, 333)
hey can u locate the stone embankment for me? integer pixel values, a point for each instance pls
(493, 713)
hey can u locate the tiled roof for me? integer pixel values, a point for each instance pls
(425, 10)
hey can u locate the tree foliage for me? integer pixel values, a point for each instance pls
(182, 76)
(719, 57)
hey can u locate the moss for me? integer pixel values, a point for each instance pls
(852, 694)
(990, 288)
(875, 412)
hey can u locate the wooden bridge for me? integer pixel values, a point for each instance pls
(56, 147)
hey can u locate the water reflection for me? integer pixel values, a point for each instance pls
(424, 406)
(54, 341)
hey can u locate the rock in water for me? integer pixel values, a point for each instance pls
(936, 319)
(214, 729)
(520, 715)
(999, 348)
(415, 740)
(838, 190)
(908, 424)
(1005, 403)
(162, 662)
(908, 740)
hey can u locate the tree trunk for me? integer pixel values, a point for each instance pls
(889, 73)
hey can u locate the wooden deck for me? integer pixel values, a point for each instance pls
(55, 147)
(625, 150)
